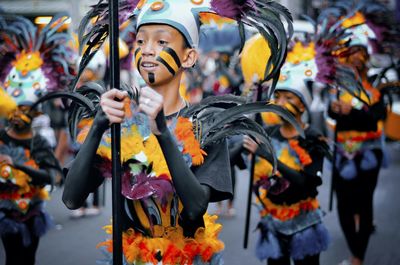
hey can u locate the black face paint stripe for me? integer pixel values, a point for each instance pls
(174, 55)
(295, 107)
(151, 78)
(161, 60)
(136, 51)
(138, 57)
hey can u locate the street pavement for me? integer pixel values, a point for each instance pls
(73, 241)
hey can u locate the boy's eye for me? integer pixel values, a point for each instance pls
(162, 42)
(139, 42)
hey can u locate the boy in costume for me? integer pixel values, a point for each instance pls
(171, 169)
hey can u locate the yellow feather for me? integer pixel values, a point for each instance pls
(7, 104)
(255, 56)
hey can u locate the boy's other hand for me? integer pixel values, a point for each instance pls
(151, 103)
(112, 105)
(250, 144)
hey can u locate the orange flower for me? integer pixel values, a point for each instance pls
(304, 157)
(23, 205)
(184, 133)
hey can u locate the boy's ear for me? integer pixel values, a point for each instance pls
(190, 58)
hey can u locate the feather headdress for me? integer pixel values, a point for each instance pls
(34, 62)
(366, 21)
(317, 59)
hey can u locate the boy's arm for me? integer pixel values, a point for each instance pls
(299, 178)
(39, 176)
(194, 196)
(361, 120)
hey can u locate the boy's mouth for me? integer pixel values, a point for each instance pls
(148, 66)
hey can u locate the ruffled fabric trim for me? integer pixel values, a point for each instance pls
(42, 222)
(173, 247)
(308, 242)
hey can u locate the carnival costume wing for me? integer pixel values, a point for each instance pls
(218, 117)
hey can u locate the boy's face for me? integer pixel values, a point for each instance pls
(160, 53)
(21, 120)
(290, 101)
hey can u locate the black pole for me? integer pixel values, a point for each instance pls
(115, 138)
(334, 160)
(334, 171)
(251, 179)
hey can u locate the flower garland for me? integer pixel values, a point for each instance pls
(173, 247)
(184, 134)
(304, 157)
(263, 169)
(286, 212)
(147, 175)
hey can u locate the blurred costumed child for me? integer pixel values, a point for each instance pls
(34, 63)
(359, 125)
(291, 221)
(291, 225)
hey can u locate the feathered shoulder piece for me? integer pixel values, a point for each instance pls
(34, 62)
(210, 121)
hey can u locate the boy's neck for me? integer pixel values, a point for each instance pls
(288, 130)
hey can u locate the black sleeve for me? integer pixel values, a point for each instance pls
(236, 149)
(215, 172)
(360, 120)
(307, 177)
(44, 155)
(48, 165)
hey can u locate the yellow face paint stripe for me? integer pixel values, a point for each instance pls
(138, 57)
(169, 60)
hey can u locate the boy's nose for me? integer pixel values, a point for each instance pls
(280, 101)
(148, 49)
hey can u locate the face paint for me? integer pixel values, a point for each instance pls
(170, 60)
(292, 108)
(152, 78)
(20, 122)
(138, 58)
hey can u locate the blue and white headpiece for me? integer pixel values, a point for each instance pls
(182, 15)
